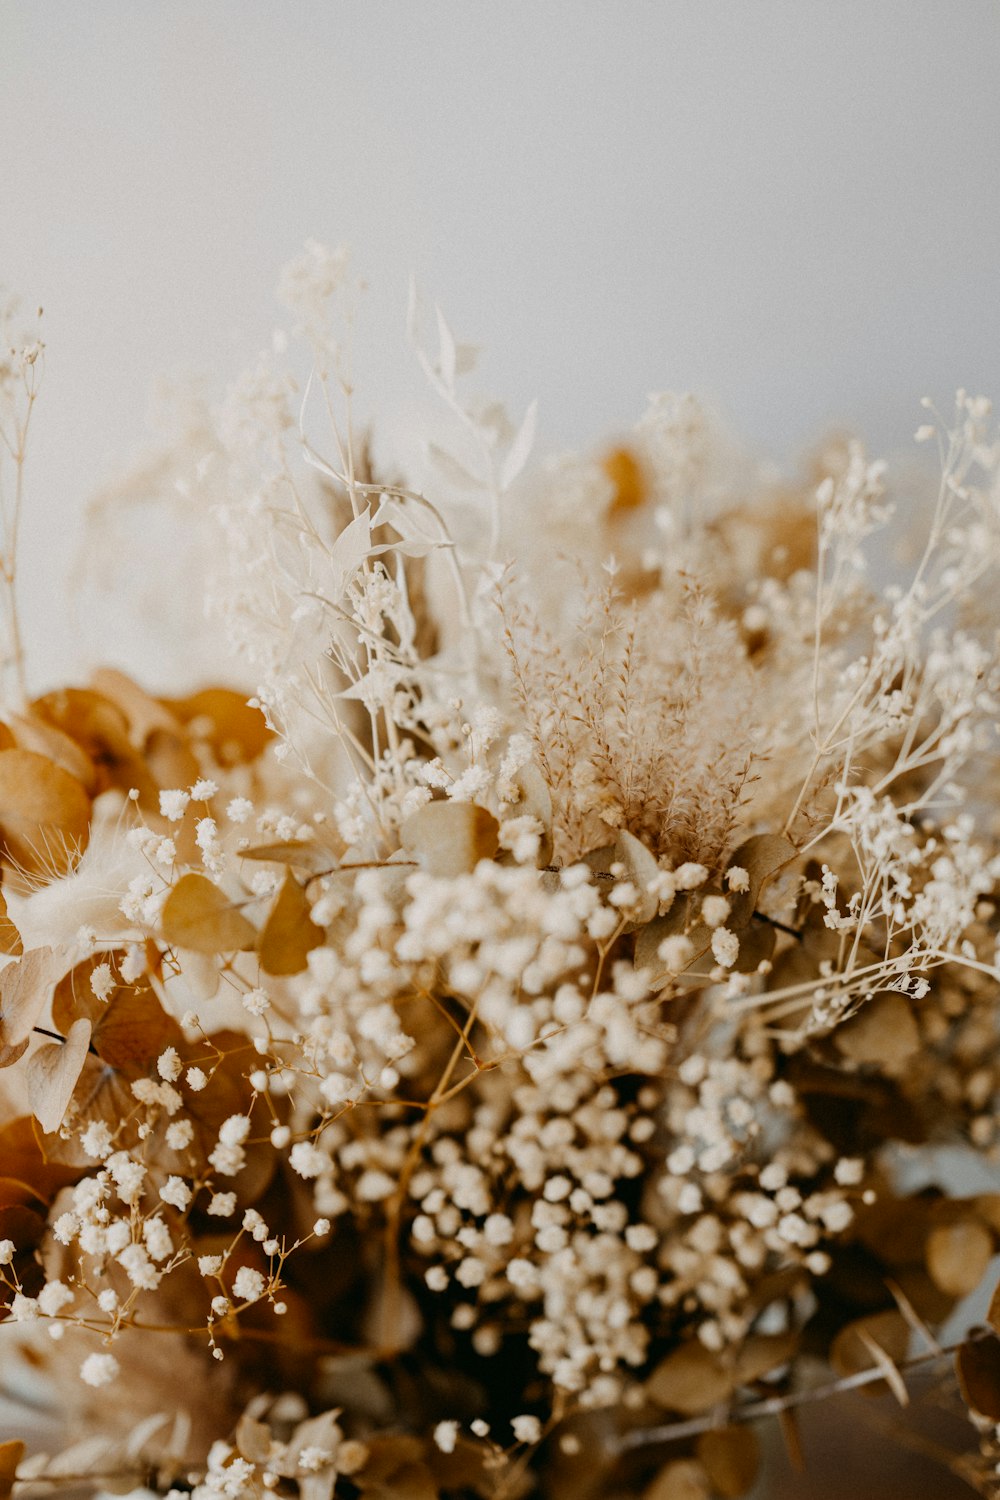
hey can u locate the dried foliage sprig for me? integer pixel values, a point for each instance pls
(482, 1063)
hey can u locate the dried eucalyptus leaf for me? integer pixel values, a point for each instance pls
(51, 1074)
(640, 869)
(289, 934)
(44, 816)
(25, 989)
(730, 1457)
(978, 1367)
(762, 857)
(883, 1032)
(958, 1255)
(450, 838)
(199, 916)
(11, 1454)
(301, 855)
(851, 1351)
(683, 1479)
(10, 938)
(690, 1380)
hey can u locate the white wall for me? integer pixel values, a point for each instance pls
(790, 205)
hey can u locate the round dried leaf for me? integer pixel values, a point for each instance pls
(684, 1479)
(730, 1457)
(978, 1366)
(958, 1255)
(236, 732)
(11, 1454)
(51, 1074)
(44, 816)
(450, 838)
(851, 1350)
(689, 1381)
(289, 934)
(883, 1032)
(199, 916)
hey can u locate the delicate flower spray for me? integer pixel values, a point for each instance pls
(485, 1063)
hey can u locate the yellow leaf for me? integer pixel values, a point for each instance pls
(197, 915)
(289, 933)
(44, 816)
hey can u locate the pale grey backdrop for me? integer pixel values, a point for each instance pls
(790, 205)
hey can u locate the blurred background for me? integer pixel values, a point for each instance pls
(790, 207)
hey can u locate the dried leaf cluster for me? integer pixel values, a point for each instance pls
(512, 1051)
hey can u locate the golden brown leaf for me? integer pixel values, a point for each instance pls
(978, 1366)
(314, 859)
(11, 1454)
(45, 739)
(25, 989)
(101, 729)
(730, 1457)
(10, 938)
(689, 1381)
(958, 1255)
(197, 915)
(683, 1479)
(450, 838)
(44, 816)
(130, 1028)
(236, 732)
(51, 1073)
(628, 478)
(289, 934)
(852, 1350)
(762, 857)
(883, 1032)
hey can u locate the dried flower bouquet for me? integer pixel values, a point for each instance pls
(488, 1062)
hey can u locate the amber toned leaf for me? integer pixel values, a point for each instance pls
(762, 857)
(171, 763)
(51, 1073)
(764, 1352)
(627, 477)
(143, 713)
(25, 1228)
(11, 1454)
(10, 938)
(25, 989)
(640, 868)
(44, 816)
(45, 739)
(289, 934)
(130, 1028)
(683, 1479)
(199, 916)
(978, 1366)
(689, 1381)
(24, 1157)
(450, 838)
(993, 1316)
(313, 859)
(883, 1032)
(236, 732)
(853, 1350)
(730, 1457)
(958, 1255)
(101, 729)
